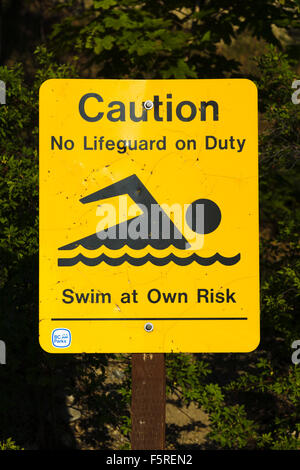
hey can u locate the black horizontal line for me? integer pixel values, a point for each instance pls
(148, 319)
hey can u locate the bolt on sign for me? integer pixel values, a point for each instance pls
(148, 216)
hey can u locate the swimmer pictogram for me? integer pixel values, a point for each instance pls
(203, 216)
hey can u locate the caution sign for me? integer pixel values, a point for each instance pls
(148, 216)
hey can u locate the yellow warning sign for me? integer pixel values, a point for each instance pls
(148, 216)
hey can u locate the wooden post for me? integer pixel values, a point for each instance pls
(148, 405)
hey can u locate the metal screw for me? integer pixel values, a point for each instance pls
(148, 327)
(148, 104)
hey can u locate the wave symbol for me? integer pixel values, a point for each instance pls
(149, 259)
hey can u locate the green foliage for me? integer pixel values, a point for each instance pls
(279, 196)
(9, 444)
(186, 374)
(190, 376)
(171, 39)
(230, 427)
(19, 158)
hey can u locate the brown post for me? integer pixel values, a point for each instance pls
(148, 405)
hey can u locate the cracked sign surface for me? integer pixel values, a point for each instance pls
(148, 216)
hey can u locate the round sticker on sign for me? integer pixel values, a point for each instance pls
(61, 338)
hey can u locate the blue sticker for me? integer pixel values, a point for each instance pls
(61, 338)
